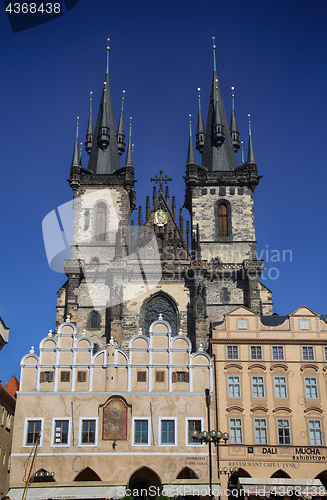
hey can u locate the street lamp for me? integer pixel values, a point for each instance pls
(210, 436)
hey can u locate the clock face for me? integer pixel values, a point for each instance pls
(160, 217)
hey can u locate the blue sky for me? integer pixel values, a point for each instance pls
(273, 53)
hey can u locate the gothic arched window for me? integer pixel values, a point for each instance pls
(225, 295)
(101, 216)
(223, 219)
(94, 320)
(160, 304)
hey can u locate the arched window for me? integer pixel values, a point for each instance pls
(162, 304)
(94, 320)
(101, 215)
(95, 260)
(225, 296)
(222, 220)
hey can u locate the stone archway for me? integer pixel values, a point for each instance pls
(323, 478)
(87, 474)
(232, 482)
(144, 483)
(281, 473)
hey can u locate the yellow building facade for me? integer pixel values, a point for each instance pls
(113, 422)
(270, 375)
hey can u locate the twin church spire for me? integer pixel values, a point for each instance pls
(217, 142)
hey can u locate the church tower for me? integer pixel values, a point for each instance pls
(124, 274)
(219, 197)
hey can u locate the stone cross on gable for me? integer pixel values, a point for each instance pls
(161, 180)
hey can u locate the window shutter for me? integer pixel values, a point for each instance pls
(42, 377)
(187, 377)
(174, 376)
(50, 376)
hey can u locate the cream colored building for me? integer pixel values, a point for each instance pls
(112, 420)
(271, 396)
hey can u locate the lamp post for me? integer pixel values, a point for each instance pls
(210, 436)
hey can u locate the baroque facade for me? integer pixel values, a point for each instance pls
(271, 397)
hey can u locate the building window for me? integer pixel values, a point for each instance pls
(232, 352)
(167, 432)
(101, 222)
(325, 353)
(223, 220)
(4, 458)
(260, 431)
(88, 432)
(258, 387)
(61, 432)
(242, 324)
(256, 352)
(284, 431)
(141, 376)
(141, 432)
(305, 324)
(235, 430)
(46, 376)
(224, 296)
(180, 377)
(311, 387)
(160, 376)
(234, 387)
(33, 431)
(94, 320)
(277, 352)
(81, 376)
(308, 353)
(65, 376)
(193, 425)
(315, 433)
(280, 387)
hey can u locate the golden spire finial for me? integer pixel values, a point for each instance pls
(214, 42)
(108, 40)
(123, 98)
(91, 96)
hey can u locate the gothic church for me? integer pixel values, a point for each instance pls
(207, 267)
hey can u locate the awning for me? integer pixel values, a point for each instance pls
(262, 486)
(68, 492)
(183, 488)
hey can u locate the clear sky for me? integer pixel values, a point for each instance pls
(273, 53)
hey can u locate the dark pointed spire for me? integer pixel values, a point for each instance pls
(242, 148)
(104, 130)
(190, 152)
(80, 153)
(105, 159)
(181, 221)
(251, 157)
(188, 235)
(147, 209)
(120, 129)
(167, 195)
(140, 219)
(173, 207)
(233, 126)
(200, 130)
(76, 159)
(90, 130)
(218, 152)
(129, 156)
(154, 195)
